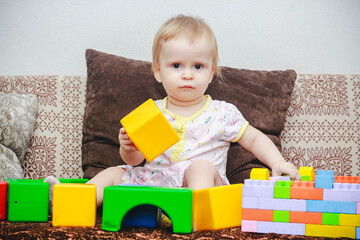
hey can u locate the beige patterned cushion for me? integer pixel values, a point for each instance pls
(55, 148)
(9, 164)
(322, 127)
(17, 121)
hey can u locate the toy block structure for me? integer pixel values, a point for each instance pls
(175, 202)
(328, 207)
(74, 204)
(28, 200)
(149, 130)
(217, 207)
(3, 199)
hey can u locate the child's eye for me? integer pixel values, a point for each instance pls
(198, 66)
(176, 65)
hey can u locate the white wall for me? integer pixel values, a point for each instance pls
(310, 36)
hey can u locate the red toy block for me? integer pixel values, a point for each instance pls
(3, 196)
(306, 217)
(257, 214)
(305, 190)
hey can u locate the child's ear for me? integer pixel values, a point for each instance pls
(156, 71)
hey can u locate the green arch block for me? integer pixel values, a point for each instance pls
(176, 202)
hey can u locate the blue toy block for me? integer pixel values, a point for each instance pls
(357, 232)
(349, 192)
(282, 204)
(249, 202)
(281, 228)
(258, 188)
(142, 216)
(330, 206)
(324, 179)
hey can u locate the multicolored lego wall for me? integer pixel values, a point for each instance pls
(323, 205)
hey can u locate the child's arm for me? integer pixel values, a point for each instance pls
(265, 150)
(128, 151)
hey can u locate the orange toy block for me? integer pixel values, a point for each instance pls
(347, 179)
(305, 190)
(257, 214)
(306, 217)
(217, 207)
(149, 130)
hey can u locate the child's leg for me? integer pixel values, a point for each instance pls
(108, 177)
(202, 174)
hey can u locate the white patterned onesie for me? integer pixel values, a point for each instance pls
(205, 135)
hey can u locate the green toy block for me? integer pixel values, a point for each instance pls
(70, 180)
(305, 178)
(281, 216)
(282, 189)
(175, 202)
(28, 200)
(330, 219)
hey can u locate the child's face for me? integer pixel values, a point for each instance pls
(185, 69)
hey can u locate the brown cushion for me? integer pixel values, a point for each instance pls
(117, 85)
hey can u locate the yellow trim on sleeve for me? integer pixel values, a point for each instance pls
(242, 130)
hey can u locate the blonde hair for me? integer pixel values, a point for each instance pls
(191, 27)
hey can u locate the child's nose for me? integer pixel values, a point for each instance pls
(187, 75)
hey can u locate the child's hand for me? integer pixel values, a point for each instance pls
(282, 167)
(125, 142)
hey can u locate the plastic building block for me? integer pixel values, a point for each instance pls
(249, 202)
(142, 216)
(148, 128)
(305, 217)
(305, 190)
(347, 179)
(282, 189)
(282, 204)
(281, 216)
(70, 180)
(280, 178)
(3, 199)
(281, 228)
(358, 208)
(349, 220)
(357, 232)
(218, 207)
(74, 204)
(330, 206)
(28, 201)
(324, 179)
(258, 188)
(315, 230)
(248, 226)
(259, 174)
(257, 214)
(307, 173)
(175, 202)
(343, 192)
(330, 219)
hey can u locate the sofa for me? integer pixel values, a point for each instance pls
(67, 126)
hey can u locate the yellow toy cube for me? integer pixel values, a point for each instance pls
(307, 171)
(149, 130)
(217, 207)
(74, 205)
(260, 174)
